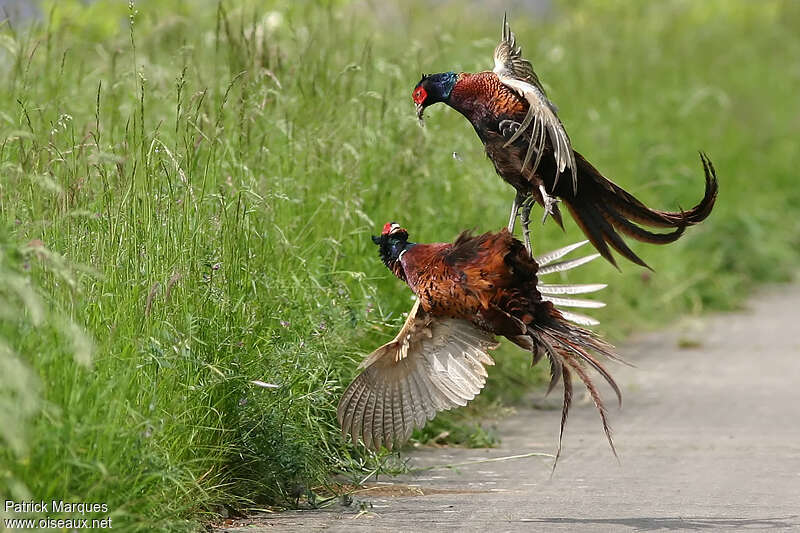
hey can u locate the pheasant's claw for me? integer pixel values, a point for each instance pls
(508, 128)
(550, 204)
(529, 201)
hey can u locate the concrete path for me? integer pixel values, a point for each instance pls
(709, 439)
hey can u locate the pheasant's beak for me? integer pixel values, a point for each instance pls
(420, 112)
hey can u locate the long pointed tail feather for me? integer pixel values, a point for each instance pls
(564, 412)
(570, 348)
(602, 209)
(597, 229)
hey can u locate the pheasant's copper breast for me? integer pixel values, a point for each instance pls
(482, 95)
(438, 285)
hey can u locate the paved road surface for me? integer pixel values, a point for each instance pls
(709, 439)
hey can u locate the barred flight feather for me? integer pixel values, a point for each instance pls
(578, 318)
(443, 367)
(549, 257)
(516, 73)
(563, 266)
(571, 289)
(573, 302)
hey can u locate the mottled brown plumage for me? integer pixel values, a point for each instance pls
(467, 292)
(489, 280)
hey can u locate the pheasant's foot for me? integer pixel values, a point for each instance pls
(549, 203)
(508, 128)
(525, 219)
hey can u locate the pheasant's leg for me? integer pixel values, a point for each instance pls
(525, 219)
(512, 220)
(549, 203)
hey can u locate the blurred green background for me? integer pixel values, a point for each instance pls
(187, 192)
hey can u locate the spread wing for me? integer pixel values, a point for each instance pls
(516, 73)
(432, 365)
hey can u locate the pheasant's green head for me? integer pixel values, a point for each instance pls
(393, 243)
(433, 88)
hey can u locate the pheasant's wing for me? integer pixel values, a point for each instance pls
(549, 264)
(432, 365)
(516, 73)
(508, 61)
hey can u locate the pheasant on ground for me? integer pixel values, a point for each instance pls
(467, 293)
(530, 149)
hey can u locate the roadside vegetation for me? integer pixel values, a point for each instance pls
(187, 192)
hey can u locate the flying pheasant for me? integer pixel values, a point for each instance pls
(531, 150)
(467, 293)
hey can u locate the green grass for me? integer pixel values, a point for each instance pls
(185, 207)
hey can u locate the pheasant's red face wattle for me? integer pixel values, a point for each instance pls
(390, 227)
(419, 95)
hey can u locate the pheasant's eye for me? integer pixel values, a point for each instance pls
(419, 95)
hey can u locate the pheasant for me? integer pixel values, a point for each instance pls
(468, 292)
(530, 149)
